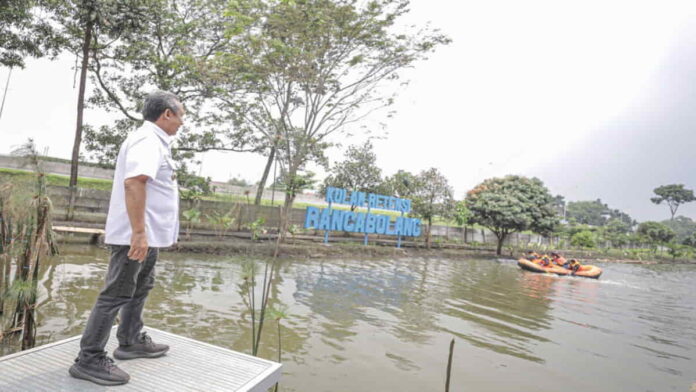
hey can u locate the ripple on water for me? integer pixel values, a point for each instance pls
(354, 323)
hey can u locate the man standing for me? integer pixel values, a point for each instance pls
(143, 217)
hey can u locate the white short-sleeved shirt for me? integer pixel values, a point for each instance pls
(146, 152)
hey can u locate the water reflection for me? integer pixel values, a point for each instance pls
(386, 324)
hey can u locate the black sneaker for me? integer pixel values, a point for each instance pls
(103, 371)
(145, 348)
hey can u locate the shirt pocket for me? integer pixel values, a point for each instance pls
(166, 173)
(172, 168)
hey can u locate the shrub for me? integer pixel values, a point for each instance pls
(583, 239)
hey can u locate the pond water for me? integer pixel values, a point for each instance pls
(357, 325)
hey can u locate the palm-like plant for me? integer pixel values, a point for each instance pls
(191, 216)
(222, 222)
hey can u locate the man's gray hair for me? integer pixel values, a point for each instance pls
(157, 102)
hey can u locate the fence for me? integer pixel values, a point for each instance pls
(97, 202)
(55, 167)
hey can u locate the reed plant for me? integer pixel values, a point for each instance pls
(248, 286)
(26, 237)
(278, 313)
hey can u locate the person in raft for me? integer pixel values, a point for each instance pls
(143, 217)
(572, 265)
(532, 255)
(558, 259)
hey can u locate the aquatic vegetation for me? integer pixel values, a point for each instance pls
(25, 236)
(191, 216)
(221, 222)
(256, 227)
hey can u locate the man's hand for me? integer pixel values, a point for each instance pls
(138, 247)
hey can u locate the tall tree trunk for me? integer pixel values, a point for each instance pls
(3, 259)
(4, 95)
(287, 205)
(8, 264)
(501, 239)
(78, 127)
(427, 233)
(264, 177)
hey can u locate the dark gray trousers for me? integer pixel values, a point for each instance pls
(128, 283)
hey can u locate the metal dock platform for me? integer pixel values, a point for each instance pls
(189, 365)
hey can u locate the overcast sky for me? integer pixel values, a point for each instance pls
(596, 98)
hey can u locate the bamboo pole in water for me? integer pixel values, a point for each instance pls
(449, 366)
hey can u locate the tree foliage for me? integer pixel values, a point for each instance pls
(512, 204)
(584, 239)
(655, 232)
(682, 226)
(596, 213)
(588, 212)
(357, 172)
(674, 195)
(432, 198)
(461, 213)
(310, 68)
(690, 240)
(401, 184)
(24, 32)
(172, 49)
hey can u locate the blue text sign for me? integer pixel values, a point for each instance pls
(329, 219)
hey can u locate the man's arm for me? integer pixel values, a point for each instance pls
(135, 205)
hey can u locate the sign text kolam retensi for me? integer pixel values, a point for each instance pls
(362, 222)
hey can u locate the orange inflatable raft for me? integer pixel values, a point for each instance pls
(586, 271)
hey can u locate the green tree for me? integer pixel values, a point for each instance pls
(85, 27)
(616, 231)
(583, 239)
(357, 172)
(676, 250)
(23, 33)
(621, 216)
(690, 240)
(618, 226)
(559, 205)
(683, 227)
(461, 213)
(656, 233)
(511, 204)
(295, 185)
(401, 184)
(432, 198)
(593, 213)
(172, 50)
(238, 182)
(674, 195)
(311, 68)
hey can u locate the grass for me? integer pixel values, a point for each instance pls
(55, 179)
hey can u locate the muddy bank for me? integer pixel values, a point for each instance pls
(320, 250)
(295, 249)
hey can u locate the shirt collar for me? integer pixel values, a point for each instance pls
(168, 140)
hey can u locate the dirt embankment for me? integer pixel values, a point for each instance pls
(295, 248)
(302, 249)
(320, 250)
